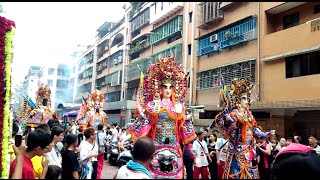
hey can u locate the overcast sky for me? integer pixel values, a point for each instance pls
(50, 31)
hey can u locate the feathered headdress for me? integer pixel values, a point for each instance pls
(239, 88)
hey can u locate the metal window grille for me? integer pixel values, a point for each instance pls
(208, 79)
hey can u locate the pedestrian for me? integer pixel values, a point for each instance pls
(274, 151)
(202, 154)
(101, 144)
(54, 157)
(282, 143)
(222, 149)
(37, 143)
(70, 163)
(296, 161)
(53, 172)
(88, 150)
(213, 168)
(188, 159)
(297, 139)
(313, 143)
(41, 163)
(143, 150)
(264, 152)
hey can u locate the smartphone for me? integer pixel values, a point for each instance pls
(18, 140)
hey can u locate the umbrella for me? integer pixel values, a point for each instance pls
(71, 114)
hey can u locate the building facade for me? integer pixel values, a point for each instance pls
(274, 43)
(32, 81)
(267, 41)
(57, 78)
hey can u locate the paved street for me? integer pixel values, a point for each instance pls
(108, 171)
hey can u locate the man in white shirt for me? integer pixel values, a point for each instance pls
(88, 150)
(200, 148)
(221, 154)
(313, 142)
(114, 138)
(74, 128)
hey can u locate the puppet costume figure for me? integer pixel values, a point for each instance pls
(160, 104)
(43, 112)
(91, 112)
(240, 128)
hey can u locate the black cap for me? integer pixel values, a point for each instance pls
(199, 133)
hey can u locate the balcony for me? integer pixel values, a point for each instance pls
(133, 70)
(226, 38)
(209, 13)
(292, 41)
(167, 30)
(174, 51)
(139, 46)
(101, 67)
(131, 94)
(139, 21)
(226, 5)
(135, 8)
(164, 10)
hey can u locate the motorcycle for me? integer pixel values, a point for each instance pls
(125, 156)
(113, 158)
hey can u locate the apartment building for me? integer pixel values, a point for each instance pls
(57, 78)
(110, 60)
(31, 82)
(267, 41)
(84, 76)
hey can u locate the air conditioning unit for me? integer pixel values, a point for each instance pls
(214, 38)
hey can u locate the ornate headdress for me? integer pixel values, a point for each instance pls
(96, 95)
(239, 88)
(166, 71)
(43, 92)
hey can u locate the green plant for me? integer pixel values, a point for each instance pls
(228, 35)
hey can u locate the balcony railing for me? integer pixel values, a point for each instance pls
(132, 71)
(139, 46)
(168, 29)
(174, 51)
(209, 12)
(240, 33)
(101, 67)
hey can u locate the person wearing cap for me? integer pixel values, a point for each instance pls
(202, 156)
(313, 142)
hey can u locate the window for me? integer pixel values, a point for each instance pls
(189, 49)
(291, 20)
(50, 82)
(161, 6)
(50, 71)
(303, 65)
(317, 9)
(190, 17)
(155, 8)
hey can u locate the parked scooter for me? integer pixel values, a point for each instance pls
(125, 156)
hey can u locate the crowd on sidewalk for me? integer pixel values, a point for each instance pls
(50, 152)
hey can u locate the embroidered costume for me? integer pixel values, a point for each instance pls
(162, 117)
(239, 126)
(91, 113)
